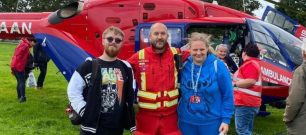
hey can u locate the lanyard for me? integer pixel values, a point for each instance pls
(195, 85)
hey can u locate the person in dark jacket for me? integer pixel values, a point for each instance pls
(222, 54)
(19, 63)
(105, 103)
(41, 60)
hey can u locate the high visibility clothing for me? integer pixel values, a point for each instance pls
(248, 96)
(157, 78)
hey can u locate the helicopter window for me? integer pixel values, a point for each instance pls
(288, 26)
(268, 49)
(259, 28)
(174, 39)
(270, 17)
(271, 53)
(279, 20)
(260, 37)
(271, 42)
(291, 43)
(265, 39)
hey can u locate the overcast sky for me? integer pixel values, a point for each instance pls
(264, 4)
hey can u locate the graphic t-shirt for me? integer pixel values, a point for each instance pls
(113, 75)
(111, 91)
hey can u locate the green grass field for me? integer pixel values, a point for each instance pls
(44, 111)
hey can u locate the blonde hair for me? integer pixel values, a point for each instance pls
(114, 29)
(205, 38)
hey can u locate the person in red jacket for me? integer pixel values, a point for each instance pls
(157, 77)
(18, 65)
(247, 90)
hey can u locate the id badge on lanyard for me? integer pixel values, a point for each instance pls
(194, 98)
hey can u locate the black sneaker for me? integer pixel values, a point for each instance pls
(22, 99)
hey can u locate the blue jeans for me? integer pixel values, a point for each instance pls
(21, 80)
(244, 119)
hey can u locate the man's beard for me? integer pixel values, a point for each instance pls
(158, 44)
(112, 51)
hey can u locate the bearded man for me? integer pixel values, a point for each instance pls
(104, 96)
(157, 80)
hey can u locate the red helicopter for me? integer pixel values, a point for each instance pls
(73, 33)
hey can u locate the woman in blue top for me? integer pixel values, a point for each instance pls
(206, 105)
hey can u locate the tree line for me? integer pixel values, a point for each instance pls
(32, 5)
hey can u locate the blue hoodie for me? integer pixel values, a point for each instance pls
(215, 89)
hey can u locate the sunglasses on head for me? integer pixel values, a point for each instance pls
(111, 39)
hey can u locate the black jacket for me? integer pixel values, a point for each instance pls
(231, 64)
(40, 56)
(91, 112)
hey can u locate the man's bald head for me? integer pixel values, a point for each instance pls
(158, 37)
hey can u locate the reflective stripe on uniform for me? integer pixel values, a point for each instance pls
(141, 56)
(171, 93)
(153, 96)
(247, 91)
(148, 95)
(170, 103)
(174, 51)
(149, 105)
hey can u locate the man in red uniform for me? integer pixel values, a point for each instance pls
(157, 79)
(247, 90)
(18, 65)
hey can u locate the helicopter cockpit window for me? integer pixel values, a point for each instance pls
(268, 49)
(259, 28)
(291, 43)
(174, 39)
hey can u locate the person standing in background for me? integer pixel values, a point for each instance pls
(222, 54)
(41, 59)
(18, 65)
(295, 111)
(247, 90)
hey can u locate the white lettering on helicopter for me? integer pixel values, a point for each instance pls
(15, 29)
(275, 76)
